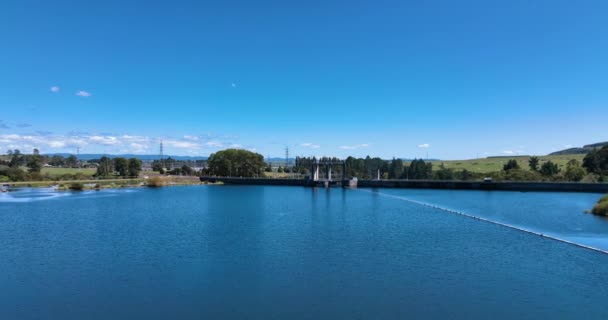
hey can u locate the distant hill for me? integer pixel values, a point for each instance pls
(584, 150)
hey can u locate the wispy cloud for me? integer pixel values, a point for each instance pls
(55, 89)
(353, 147)
(508, 152)
(112, 143)
(23, 125)
(310, 145)
(424, 146)
(83, 93)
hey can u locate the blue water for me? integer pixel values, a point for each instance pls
(230, 252)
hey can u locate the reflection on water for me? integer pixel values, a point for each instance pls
(253, 252)
(16, 195)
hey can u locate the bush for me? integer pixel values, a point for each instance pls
(601, 208)
(157, 182)
(76, 186)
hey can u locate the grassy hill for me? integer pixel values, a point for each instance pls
(485, 165)
(584, 150)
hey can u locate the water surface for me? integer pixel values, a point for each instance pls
(245, 252)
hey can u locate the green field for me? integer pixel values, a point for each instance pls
(55, 172)
(486, 165)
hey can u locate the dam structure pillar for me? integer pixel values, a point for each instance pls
(323, 173)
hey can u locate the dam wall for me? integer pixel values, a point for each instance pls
(423, 184)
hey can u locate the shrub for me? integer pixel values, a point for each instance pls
(76, 186)
(601, 208)
(157, 181)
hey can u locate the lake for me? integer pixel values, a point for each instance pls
(262, 252)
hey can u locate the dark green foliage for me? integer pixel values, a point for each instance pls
(534, 163)
(444, 174)
(105, 168)
(13, 174)
(34, 162)
(596, 161)
(511, 165)
(157, 165)
(56, 161)
(395, 169)
(71, 161)
(76, 186)
(549, 169)
(121, 165)
(574, 171)
(419, 169)
(134, 167)
(16, 159)
(187, 171)
(236, 163)
(601, 208)
(521, 175)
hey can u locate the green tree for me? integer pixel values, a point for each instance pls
(549, 169)
(533, 163)
(34, 162)
(236, 162)
(444, 174)
(574, 171)
(71, 161)
(186, 170)
(105, 167)
(596, 161)
(134, 167)
(57, 161)
(510, 165)
(395, 169)
(16, 159)
(121, 165)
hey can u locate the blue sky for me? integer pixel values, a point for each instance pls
(454, 79)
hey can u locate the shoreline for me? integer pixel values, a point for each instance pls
(92, 184)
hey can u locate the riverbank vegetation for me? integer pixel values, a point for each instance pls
(592, 167)
(601, 208)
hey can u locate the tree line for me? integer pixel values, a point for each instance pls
(121, 167)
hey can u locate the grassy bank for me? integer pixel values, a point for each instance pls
(487, 165)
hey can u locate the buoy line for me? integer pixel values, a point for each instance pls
(487, 220)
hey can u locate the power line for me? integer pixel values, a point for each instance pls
(286, 156)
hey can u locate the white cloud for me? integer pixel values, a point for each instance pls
(424, 146)
(568, 146)
(104, 140)
(83, 93)
(192, 138)
(110, 143)
(56, 144)
(214, 144)
(508, 152)
(353, 147)
(138, 147)
(180, 144)
(55, 89)
(310, 145)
